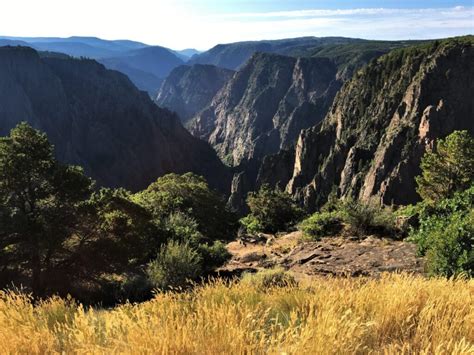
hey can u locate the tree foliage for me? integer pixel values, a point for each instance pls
(40, 200)
(446, 234)
(271, 211)
(60, 235)
(447, 169)
(191, 195)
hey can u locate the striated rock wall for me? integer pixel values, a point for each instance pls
(382, 121)
(189, 89)
(265, 105)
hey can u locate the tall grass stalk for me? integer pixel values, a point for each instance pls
(395, 314)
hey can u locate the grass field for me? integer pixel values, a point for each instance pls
(396, 314)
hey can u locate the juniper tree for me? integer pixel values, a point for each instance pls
(39, 197)
(448, 168)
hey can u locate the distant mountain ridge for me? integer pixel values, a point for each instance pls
(235, 55)
(141, 66)
(187, 53)
(133, 58)
(145, 65)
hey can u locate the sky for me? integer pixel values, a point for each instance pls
(201, 24)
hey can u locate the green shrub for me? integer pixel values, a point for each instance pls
(271, 211)
(446, 235)
(321, 224)
(175, 266)
(366, 218)
(135, 288)
(251, 224)
(450, 250)
(264, 279)
(191, 195)
(213, 255)
(183, 228)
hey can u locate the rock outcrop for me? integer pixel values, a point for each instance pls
(336, 256)
(265, 105)
(98, 119)
(189, 89)
(383, 120)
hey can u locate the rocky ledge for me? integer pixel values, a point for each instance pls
(336, 256)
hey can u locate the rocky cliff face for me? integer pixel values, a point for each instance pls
(265, 105)
(96, 118)
(382, 121)
(188, 89)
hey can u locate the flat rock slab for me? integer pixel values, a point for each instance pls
(337, 256)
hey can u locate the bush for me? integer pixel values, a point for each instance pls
(175, 266)
(446, 235)
(269, 278)
(365, 218)
(180, 227)
(135, 288)
(321, 224)
(191, 195)
(251, 224)
(271, 211)
(213, 255)
(450, 251)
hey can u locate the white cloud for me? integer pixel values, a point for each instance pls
(177, 24)
(350, 12)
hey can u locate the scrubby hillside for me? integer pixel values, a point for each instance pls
(235, 55)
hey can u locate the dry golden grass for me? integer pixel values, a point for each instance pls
(398, 314)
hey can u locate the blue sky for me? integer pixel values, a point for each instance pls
(286, 5)
(202, 24)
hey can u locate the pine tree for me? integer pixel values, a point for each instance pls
(447, 169)
(39, 197)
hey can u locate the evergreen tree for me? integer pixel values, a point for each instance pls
(447, 169)
(39, 199)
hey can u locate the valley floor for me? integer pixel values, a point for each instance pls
(395, 313)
